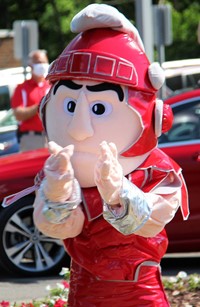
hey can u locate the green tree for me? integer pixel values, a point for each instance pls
(54, 18)
(185, 24)
(185, 20)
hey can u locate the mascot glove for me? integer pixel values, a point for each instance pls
(108, 174)
(59, 173)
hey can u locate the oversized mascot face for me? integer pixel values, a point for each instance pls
(85, 113)
(103, 90)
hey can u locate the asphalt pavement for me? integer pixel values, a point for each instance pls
(25, 289)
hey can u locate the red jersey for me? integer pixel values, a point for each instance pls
(28, 94)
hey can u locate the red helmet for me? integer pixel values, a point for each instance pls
(111, 56)
(103, 55)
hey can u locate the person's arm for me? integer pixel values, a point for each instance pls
(56, 208)
(21, 111)
(68, 228)
(144, 214)
(126, 207)
(24, 113)
(164, 208)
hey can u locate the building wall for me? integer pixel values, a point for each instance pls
(7, 59)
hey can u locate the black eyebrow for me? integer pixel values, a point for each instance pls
(106, 87)
(68, 83)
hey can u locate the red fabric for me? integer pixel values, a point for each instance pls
(87, 291)
(34, 92)
(105, 262)
(159, 165)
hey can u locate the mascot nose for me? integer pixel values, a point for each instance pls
(80, 127)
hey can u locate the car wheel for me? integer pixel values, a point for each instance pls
(24, 249)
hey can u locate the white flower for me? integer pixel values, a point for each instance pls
(60, 286)
(172, 279)
(48, 288)
(196, 279)
(64, 271)
(182, 274)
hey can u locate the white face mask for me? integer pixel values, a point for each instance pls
(40, 69)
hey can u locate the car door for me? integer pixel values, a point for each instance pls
(182, 143)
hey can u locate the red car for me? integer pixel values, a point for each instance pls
(26, 251)
(182, 143)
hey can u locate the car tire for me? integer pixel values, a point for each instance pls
(24, 249)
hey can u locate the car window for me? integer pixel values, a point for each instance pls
(7, 118)
(181, 76)
(193, 80)
(174, 83)
(186, 125)
(183, 82)
(4, 98)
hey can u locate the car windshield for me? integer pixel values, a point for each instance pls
(186, 124)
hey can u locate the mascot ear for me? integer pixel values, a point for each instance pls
(163, 117)
(156, 75)
(168, 117)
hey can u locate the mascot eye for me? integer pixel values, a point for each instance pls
(99, 108)
(69, 106)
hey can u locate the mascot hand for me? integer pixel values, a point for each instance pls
(108, 173)
(58, 183)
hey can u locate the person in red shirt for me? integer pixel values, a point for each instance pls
(26, 99)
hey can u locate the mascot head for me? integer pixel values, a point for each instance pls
(108, 50)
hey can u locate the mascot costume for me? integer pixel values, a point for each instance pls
(107, 191)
